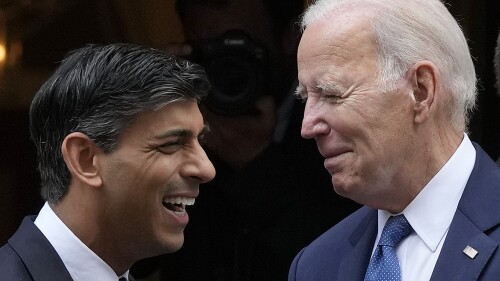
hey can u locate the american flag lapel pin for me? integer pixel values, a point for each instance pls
(470, 252)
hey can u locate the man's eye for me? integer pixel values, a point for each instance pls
(202, 139)
(332, 98)
(301, 95)
(171, 146)
(203, 134)
(302, 98)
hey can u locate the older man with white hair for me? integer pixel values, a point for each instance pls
(388, 86)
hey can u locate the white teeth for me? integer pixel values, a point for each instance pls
(180, 200)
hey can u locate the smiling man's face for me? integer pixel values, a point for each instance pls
(363, 132)
(154, 173)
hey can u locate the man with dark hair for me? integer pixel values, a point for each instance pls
(271, 195)
(117, 131)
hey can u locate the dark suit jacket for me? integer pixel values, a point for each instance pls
(28, 255)
(343, 252)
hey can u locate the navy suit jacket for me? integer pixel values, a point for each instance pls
(343, 252)
(29, 256)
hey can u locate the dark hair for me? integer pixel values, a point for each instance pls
(99, 90)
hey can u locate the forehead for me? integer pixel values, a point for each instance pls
(341, 41)
(349, 33)
(183, 114)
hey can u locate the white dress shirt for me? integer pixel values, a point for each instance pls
(82, 263)
(430, 214)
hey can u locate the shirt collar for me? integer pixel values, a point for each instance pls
(431, 212)
(81, 262)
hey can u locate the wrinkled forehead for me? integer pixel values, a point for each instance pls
(338, 48)
(349, 34)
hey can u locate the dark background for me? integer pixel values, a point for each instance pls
(38, 33)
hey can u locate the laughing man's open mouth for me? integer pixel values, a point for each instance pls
(177, 205)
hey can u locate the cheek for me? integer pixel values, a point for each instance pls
(385, 122)
(155, 172)
(139, 187)
(373, 135)
(353, 124)
(387, 142)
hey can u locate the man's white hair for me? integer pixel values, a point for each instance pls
(409, 31)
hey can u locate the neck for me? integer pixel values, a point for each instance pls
(428, 156)
(83, 215)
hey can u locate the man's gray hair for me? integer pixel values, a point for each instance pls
(99, 90)
(409, 31)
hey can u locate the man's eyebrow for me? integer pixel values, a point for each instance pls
(330, 87)
(300, 91)
(327, 86)
(183, 133)
(205, 129)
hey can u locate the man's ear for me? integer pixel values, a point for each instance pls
(79, 152)
(424, 78)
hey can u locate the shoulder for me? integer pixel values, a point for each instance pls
(338, 236)
(484, 164)
(476, 224)
(324, 255)
(481, 193)
(12, 266)
(28, 253)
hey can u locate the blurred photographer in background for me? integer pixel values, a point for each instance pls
(250, 56)
(496, 62)
(271, 195)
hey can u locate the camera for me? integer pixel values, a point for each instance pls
(236, 66)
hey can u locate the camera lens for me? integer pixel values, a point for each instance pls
(234, 83)
(236, 68)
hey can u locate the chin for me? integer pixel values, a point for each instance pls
(164, 246)
(173, 245)
(342, 192)
(176, 248)
(344, 188)
(339, 185)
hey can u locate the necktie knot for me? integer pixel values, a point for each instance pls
(395, 230)
(384, 264)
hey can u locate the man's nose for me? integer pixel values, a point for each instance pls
(311, 121)
(201, 168)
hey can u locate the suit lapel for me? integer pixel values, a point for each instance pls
(354, 266)
(37, 253)
(477, 213)
(453, 263)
